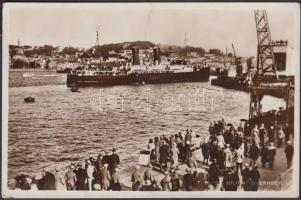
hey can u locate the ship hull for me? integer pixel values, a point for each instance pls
(202, 75)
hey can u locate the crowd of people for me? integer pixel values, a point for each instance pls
(101, 173)
(224, 154)
(228, 146)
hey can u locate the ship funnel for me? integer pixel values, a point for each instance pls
(135, 56)
(157, 58)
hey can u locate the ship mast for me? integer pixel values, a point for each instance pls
(97, 42)
(186, 44)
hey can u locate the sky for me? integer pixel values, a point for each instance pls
(207, 25)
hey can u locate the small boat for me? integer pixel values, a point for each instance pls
(74, 89)
(29, 100)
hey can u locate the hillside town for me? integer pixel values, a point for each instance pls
(64, 59)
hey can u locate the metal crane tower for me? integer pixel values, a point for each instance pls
(265, 56)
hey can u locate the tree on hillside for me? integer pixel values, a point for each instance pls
(70, 50)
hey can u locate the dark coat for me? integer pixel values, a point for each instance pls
(205, 150)
(81, 176)
(264, 154)
(254, 152)
(289, 151)
(114, 158)
(47, 182)
(188, 181)
(164, 153)
(246, 178)
(255, 176)
(115, 186)
(106, 159)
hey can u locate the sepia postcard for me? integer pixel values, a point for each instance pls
(150, 100)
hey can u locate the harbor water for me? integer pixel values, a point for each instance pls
(63, 126)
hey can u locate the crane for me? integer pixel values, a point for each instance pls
(265, 68)
(237, 63)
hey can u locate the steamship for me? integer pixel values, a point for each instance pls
(179, 70)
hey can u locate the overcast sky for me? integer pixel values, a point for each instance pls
(207, 25)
